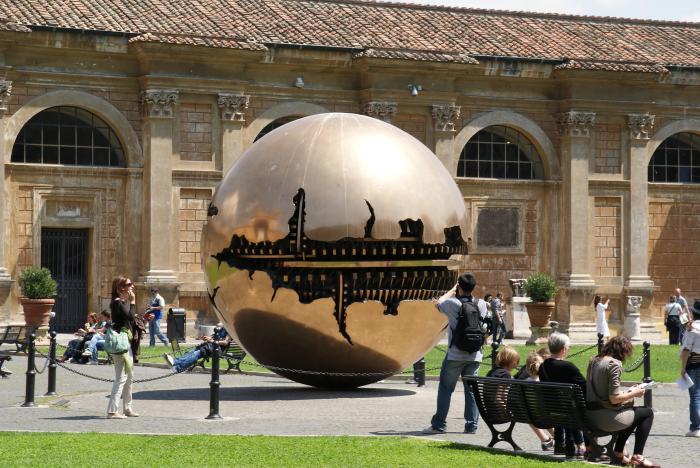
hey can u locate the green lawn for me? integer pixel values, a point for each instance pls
(123, 450)
(664, 360)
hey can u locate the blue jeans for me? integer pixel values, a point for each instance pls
(449, 373)
(184, 362)
(694, 393)
(97, 342)
(153, 331)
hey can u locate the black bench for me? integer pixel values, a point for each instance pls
(16, 335)
(542, 404)
(233, 354)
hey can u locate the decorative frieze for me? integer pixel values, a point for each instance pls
(640, 125)
(575, 124)
(445, 116)
(233, 106)
(381, 110)
(5, 92)
(158, 102)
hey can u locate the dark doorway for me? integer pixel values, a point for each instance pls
(65, 253)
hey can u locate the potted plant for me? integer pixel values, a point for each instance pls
(38, 292)
(541, 288)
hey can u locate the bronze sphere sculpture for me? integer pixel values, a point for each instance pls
(325, 245)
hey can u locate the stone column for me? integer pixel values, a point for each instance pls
(444, 118)
(5, 278)
(5, 92)
(159, 228)
(637, 223)
(576, 294)
(381, 110)
(233, 108)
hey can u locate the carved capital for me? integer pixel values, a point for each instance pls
(381, 110)
(233, 106)
(575, 124)
(640, 125)
(5, 92)
(445, 116)
(158, 102)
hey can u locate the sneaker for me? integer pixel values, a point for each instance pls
(695, 433)
(547, 444)
(169, 359)
(6, 372)
(92, 363)
(579, 454)
(87, 353)
(115, 416)
(131, 414)
(559, 449)
(432, 430)
(470, 430)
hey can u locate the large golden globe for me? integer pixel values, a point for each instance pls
(326, 244)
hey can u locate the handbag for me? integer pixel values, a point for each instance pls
(116, 343)
(684, 318)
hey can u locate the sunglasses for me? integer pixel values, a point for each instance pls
(128, 284)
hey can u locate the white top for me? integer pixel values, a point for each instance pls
(673, 308)
(601, 325)
(691, 338)
(451, 308)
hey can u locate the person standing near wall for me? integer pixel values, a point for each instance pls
(601, 323)
(685, 313)
(672, 320)
(154, 315)
(123, 308)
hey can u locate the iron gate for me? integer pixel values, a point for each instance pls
(65, 252)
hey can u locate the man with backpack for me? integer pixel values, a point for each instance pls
(466, 316)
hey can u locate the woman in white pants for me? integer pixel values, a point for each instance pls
(601, 324)
(123, 319)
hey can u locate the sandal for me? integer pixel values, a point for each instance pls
(639, 460)
(619, 459)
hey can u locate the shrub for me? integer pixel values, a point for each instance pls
(540, 287)
(37, 283)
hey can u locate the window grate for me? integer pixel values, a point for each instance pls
(68, 136)
(677, 160)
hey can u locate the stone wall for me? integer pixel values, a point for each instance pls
(607, 237)
(195, 132)
(674, 249)
(608, 149)
(193, 214)
(413, 124)
(25, 230)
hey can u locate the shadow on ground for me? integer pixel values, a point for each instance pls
(269, 394)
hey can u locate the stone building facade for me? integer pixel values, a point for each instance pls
(549, 126)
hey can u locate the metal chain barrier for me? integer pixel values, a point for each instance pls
(635, 365)
(585, 350)
(46, 364)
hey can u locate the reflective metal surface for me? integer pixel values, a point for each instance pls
(326, 243)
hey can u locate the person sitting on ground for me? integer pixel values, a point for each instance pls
(76, 345)
(611, 409)
(203, 350)
(556, 369)
(532, 366)
(97, 342)
(507, 359)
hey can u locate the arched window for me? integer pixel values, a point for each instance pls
(677, 159)
(500, 152)
(69, 136)
(274, 125)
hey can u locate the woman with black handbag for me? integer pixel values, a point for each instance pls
(123, 321)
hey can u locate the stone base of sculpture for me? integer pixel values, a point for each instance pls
(538, 335)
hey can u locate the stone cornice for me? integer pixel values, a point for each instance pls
(5, 92)
(575, 123)
(445, 116)
(233, 106)
(381, 110)
(158, 102)
(640, 125)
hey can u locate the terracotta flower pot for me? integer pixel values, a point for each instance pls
(37, 312)
(540, 313)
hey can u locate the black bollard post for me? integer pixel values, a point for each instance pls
(31, 372)
(494, 352)
(52, 365)
(214, 385)
(600, 343)
(647, 373)
(419, 372)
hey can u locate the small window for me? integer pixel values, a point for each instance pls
(677, 160)
(68, 136)
(500, 152)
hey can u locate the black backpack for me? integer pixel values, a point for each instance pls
(467, 335)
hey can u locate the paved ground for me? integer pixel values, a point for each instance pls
(276, 406)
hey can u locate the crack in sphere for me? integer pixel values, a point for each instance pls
(325, 245)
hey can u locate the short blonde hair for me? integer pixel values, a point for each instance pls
(532, 364)
(507, 357)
